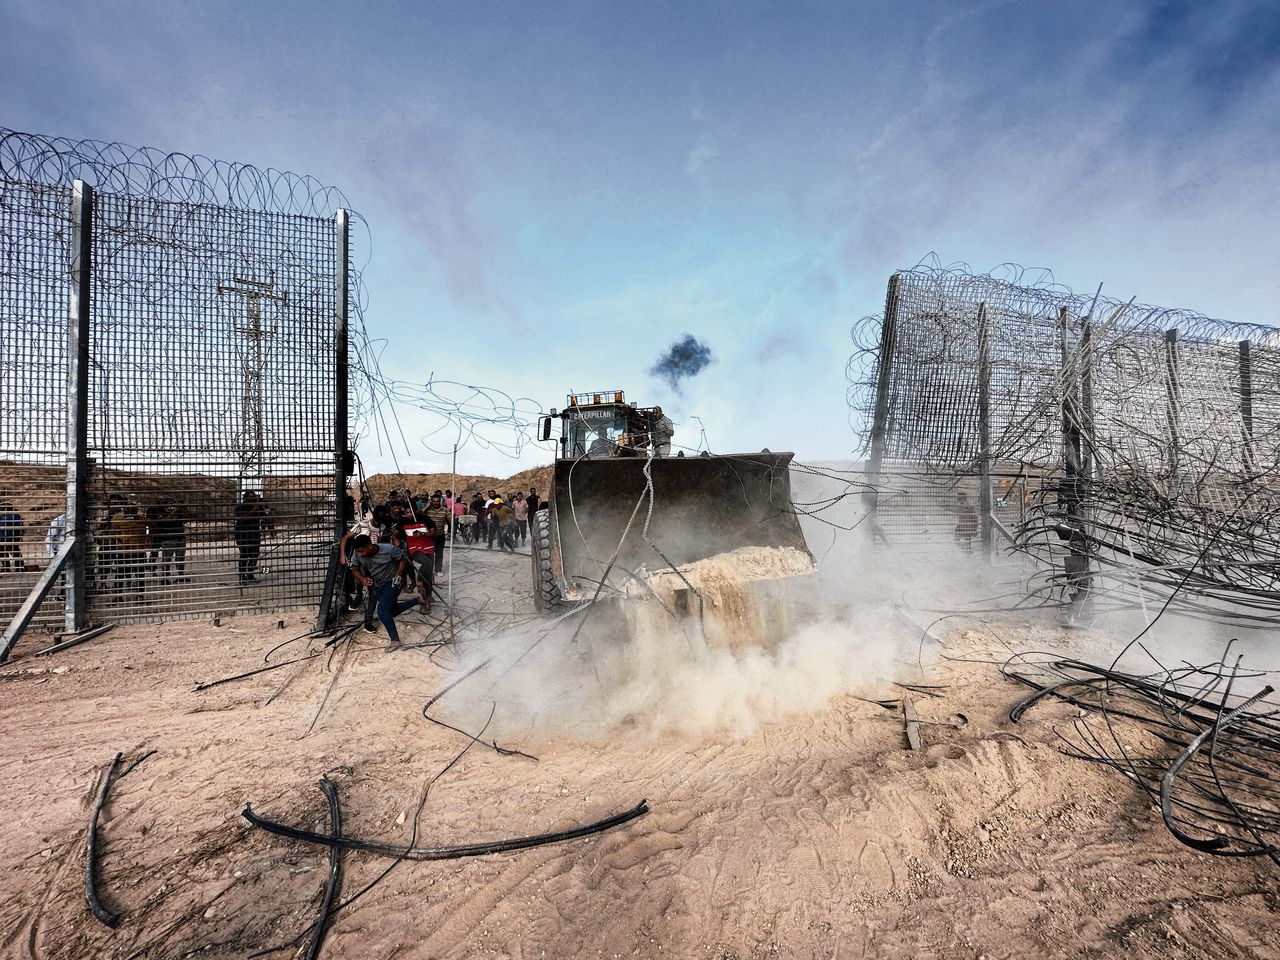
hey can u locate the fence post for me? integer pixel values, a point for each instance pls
(1171, 396)
(1246, 403)
(1070, 400)
(341, 304)
(1087, 459)
(78, 331)
(1075, 491)
(985, 505)
(884, 371)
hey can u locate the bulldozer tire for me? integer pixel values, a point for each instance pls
(546, 595)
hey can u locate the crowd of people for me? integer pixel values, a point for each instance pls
(395, 546)
(135, 546)
(399, 544)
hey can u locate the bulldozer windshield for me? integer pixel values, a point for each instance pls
(594, 433)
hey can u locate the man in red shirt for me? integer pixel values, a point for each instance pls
(420, 541)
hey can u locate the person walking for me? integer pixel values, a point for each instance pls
(56, 535)
(420, 544)
(499, 525)
(459, 510)
(966, 522)
(10, 539)
(520, 515)
(534, 500)
(132, 545)
(169, 542)
(248, 536)
(488, 507)
(439, 516)
(378, 566)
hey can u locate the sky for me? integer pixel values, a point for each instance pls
(556, 193)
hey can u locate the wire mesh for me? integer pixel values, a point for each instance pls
(1119, 434)
(211, 382)
(33, 363)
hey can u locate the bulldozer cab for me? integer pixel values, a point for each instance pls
(593, 431)
(599, 425)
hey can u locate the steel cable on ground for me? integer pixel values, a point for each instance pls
(413, 837)
(1222, 748)
(446, 853)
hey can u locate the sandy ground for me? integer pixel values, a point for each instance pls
(816, 834)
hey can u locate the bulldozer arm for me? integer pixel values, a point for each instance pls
(701, 507)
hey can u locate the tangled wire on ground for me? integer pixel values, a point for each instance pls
(1205, 753)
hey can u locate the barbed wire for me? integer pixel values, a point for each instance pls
(184, 187)
(146, 172)
(1144, 440)
(467, 415)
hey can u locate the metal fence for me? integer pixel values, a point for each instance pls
(173, 337)
(1091, 432)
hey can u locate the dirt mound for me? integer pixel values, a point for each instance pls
(380, 484)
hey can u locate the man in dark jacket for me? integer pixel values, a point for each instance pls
(249, 514)
(10, 538)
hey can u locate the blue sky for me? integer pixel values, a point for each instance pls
(556, 192)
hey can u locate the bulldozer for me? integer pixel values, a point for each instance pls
(625, 516)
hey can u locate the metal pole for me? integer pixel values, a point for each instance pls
(78, 331)
(985, 505)
(1088, 463)
(884, 370)
(1076, 564)
(341, 454)
(1246, 403)
(1070, 400)
(1171, 395)
(453, 533)
(259, 399)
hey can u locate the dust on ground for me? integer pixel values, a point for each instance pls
(816, 835)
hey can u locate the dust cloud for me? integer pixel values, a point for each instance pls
(767, 650)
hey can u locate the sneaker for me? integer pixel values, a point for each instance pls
(368, 628)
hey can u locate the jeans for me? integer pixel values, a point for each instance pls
(522, 527)
(389, 607)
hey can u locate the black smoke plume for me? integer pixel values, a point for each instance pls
(685, 358)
